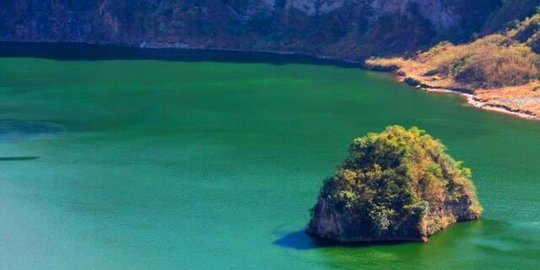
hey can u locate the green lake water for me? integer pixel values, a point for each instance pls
(151, 164)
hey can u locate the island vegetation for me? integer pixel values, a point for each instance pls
(398, 185)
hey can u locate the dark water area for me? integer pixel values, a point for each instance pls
(115, 161)
(89, 52)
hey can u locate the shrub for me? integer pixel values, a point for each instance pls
(492, 66)
(490, 62)
(395, 181)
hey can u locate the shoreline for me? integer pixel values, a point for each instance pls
(400, 75)
(468, 95)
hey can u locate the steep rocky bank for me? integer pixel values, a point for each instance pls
(343, 29)
(349, 30)
(498, 69)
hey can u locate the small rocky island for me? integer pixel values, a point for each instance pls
(398, 185)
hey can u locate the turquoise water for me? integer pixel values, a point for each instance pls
(147, 164)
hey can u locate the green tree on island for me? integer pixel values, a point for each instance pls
(398, 185)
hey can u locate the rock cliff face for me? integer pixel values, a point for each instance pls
(399, 185)
(345, 29)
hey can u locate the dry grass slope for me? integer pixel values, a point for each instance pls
(502, 70)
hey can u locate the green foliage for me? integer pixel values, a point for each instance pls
(395, 180)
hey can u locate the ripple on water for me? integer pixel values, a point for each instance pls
(12, 129)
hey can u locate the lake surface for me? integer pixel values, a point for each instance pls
(153, 164)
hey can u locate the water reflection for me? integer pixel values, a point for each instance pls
(456, 247)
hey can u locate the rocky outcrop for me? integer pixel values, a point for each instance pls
(344, 29)
(399, 185)
(436, 12)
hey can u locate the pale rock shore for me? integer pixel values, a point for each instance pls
(471, 99)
